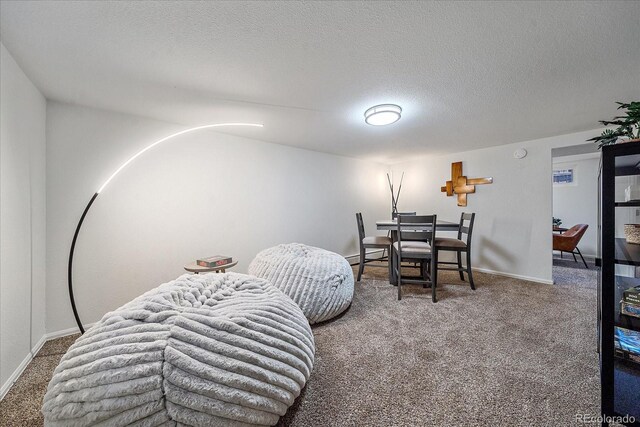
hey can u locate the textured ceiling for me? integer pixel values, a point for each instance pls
(468, 75)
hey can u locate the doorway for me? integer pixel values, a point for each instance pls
(575, 214)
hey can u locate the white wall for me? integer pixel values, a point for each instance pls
(513, 223)
(577, 203)
(22, 219)
(201, 194)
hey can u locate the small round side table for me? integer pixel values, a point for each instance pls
(193, 267)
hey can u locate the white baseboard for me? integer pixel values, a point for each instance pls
(514, 276)
(21, 367)
(65, 332)
(568, 254)
(355, 259)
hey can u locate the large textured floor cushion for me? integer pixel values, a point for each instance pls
(319, 281)
(202, 350)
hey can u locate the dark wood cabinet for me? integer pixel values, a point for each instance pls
(619, 333)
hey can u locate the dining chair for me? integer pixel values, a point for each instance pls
(418, 249)
(459, 245)
(394, 216)
(370, 242)
(568, 241)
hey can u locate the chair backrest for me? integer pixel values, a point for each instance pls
(406, 221)
(466, 227)
(394, 215)
(568, 240)
(407, 235)
(360, 226)
(576, 232)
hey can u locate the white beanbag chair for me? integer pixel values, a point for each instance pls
(202, 350)
(319, 281)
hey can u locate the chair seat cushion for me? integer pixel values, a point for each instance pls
(446, 242)
(377, 241)
(412, 247)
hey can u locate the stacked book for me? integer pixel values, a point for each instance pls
(214, 261)
(630, 304)
(627, 341)
(627, 344)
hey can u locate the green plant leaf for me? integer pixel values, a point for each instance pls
(627, 124)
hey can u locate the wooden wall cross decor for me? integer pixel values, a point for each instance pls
(460, 185)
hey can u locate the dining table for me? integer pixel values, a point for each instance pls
(392, 225)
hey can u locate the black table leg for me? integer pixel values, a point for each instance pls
(392, 259)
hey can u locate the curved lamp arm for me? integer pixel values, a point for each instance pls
(86, 209)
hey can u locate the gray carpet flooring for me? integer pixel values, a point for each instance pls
(570, 273)
(511, 353)
(21, 405)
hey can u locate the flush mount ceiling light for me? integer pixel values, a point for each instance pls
(383, 114)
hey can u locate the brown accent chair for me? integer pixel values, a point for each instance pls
(568, 241)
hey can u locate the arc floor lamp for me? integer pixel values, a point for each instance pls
(86, 209)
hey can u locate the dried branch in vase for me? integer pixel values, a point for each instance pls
(394, 196)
